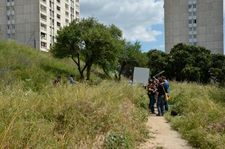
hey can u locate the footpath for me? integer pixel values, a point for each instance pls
(162, 136)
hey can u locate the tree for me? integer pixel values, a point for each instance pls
(157, 61)
(217, 69)
(131, 57)
(90, 41)
(184, 58)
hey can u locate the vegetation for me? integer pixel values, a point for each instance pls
(106, 114)
(201, 114)
(89, 41)
(131, 57)
(36, 114)
(32, 69)
(109, 115)
(188, 63)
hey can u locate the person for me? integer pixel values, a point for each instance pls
(151, 94)
(57, 81)
(167, 90)
(71, 79)
(161, 98)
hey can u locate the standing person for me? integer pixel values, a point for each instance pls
(167, 90)
(151, 94)
(161, 98)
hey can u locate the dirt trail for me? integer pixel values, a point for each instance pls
(162, 136)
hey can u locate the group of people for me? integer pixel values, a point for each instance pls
(158, 90)
(58, 80)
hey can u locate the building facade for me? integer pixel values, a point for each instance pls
(194, 22)
(36, 22)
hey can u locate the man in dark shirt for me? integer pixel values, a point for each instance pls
(161, 98)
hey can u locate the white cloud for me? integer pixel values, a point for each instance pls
(134, 17)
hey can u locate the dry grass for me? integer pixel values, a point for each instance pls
(109, 115)
(201, 110)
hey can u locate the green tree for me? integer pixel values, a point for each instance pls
(157, 61)
(89, 41)
(217, 70)
(131, 57)
(184, 58)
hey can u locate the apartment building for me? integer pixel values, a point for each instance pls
(195, 22)
(36, 22)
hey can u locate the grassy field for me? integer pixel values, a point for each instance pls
(109, 115)
(31, 67)
(35, 114)
(201, 117)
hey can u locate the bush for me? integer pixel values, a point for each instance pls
(201, 114)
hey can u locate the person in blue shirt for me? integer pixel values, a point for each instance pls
(167, 90)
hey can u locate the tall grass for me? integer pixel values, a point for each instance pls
(201, 109)
(34, 68)
(108, 115)
(35, 114)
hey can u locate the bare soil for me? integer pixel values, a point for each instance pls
(163, 136)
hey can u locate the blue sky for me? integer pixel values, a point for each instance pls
(140, 20)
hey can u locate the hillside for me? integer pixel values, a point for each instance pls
(30, 67)
(36, 114)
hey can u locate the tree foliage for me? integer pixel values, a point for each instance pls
(186, 60)
(131, 57)
(89, 41)
(188, 63)
(217, 69)
(157, 61)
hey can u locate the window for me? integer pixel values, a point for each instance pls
(43, 8)
(43, 35)
(43, 26)
(43, 17)
(67, 6)
(77, 13)
(43, 45)
(67, 21)
(58, 8)
(58, 24)
(190, 6)
(58, 16)
(194, 5)
(51, 13)
(190, 21)
(195, 21)
(67, 13)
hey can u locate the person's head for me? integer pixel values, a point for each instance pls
(150, 80)
(71, 76)
(160, 80)
(163, 77)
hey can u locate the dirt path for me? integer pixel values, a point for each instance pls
(163, 136)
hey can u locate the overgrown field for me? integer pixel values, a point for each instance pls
(31, 67)
(201, 117)
(109, 115)
(36, 114)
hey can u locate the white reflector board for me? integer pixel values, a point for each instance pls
(141, 75)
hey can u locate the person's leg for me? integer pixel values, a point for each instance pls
(159, 107)
(162, 105)
(166, 105)
(149, 105)
(152, 102)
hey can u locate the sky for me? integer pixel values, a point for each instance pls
(140, 20)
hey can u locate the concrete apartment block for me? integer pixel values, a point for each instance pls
(36, 22)
(195, 22)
